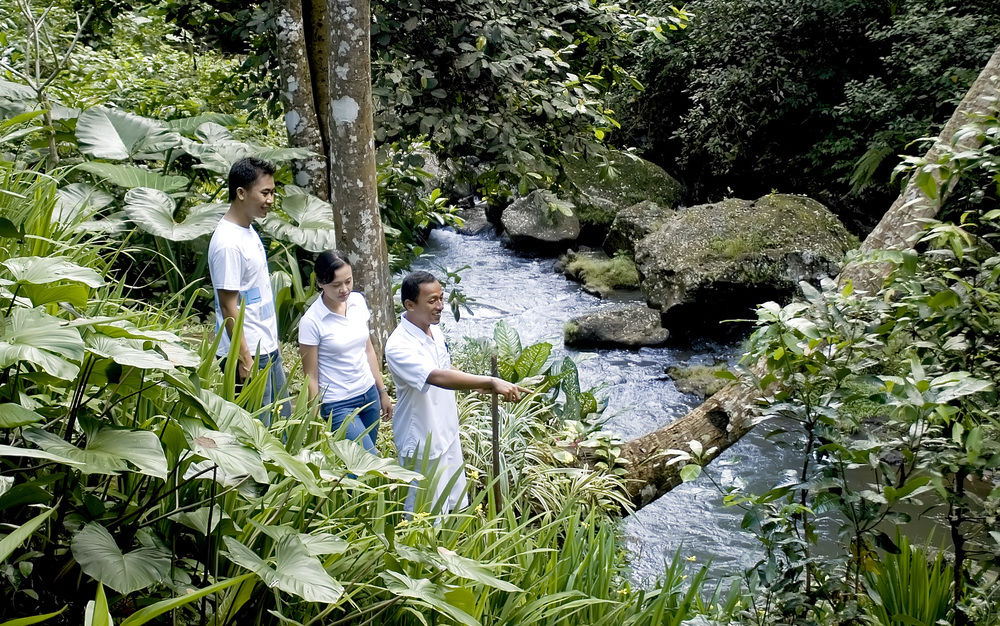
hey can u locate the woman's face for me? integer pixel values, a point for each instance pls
(337, 290)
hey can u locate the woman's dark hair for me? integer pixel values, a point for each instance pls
(327, 263)
(245, 172)
(410, 289)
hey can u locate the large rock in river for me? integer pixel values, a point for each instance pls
(629, 327)
(540, 222)
(718, 261)
(633, 223)
(599, 199)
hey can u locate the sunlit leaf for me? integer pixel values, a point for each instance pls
(153, 210)
(99, 557)
(359, 462)
(309, 223)
(293, 571)
(132, 176)
(35, 337)
(14, 416)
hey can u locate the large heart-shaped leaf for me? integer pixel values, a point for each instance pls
(304, 220)
(15, 91)
(142, 448)
(318, 544)
(423, 592)
(100, 557)
(43, 270)
(78, 201)
(37, 338)
(127, 352)
(87, 461)
(105, 133)
(132, 176)
(152, 210)
(360, 462)
(189, 125)
(226, 451)
(14, 416)
(294, 571)
(218, 150)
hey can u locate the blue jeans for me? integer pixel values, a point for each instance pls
(367, 418)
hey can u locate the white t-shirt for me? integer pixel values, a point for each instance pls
(342, 340)
(237, 262)
(421, 408)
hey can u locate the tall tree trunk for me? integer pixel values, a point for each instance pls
(728, 415)
(301, 38)
(351, 157)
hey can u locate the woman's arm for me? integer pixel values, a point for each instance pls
(310, 367)
(383, 395)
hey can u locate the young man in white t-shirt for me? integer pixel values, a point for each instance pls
(238, 266)
(425, 422)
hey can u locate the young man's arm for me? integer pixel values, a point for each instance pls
(457, 379)
(229, 305)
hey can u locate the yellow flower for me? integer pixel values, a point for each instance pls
(692, 558)
(474, 474)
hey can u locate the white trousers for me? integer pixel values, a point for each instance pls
(439, 471)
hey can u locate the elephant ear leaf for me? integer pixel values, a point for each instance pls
(132, 176)
(100, 558)
(37, 338)
(152, 210)
(309, 223)
(105, 133)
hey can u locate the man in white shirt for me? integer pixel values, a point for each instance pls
(238, 267)
(425, 423)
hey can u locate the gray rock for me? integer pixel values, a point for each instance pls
(633, 223)
(474, 218)
(600, 274)
(698, 380)
(717, 261)
(630, 327)
(599, 200)
(537, 222)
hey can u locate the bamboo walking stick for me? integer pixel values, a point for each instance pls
(497, 494)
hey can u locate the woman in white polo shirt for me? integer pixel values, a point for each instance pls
(337, 354)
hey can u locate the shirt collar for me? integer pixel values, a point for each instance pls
(415, 330)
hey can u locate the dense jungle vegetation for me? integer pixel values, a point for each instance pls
(137, 486)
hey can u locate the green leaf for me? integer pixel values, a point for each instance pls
(37, 338)
(309, 223)
(127, 352)
(189, 125)
(44, 270)
(317, 544)
(426, 594)
(152, 210)
(34, 619)
(532, 360)
(690, 472)
(153, 611)
(99, 557)
(359, 462)
(97, 612)
(472, 570)
(105, 133)
(131, 176)
(14, 416)
(218, 150)
(20, 534)
(294, 571)
(507, 340)
(225, 450)
(87, 461)
(78, 201)
(142, 448)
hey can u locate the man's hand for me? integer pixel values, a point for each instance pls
(244, 368)
(386, 403)
(509, 391)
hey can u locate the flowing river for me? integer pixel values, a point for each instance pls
(530, 295)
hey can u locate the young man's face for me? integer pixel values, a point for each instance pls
(428, 307)
(259, 197)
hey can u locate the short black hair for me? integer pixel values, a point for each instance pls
(327, 263)
(410, 290)
(245, 173)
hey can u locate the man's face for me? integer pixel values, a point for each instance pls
(428, 307)
(259, 197)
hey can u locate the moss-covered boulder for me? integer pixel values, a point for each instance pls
(540, 222)
(599, 198)
(630, 327)
(718, 261)
(633, 223)
(600, 274)
(698, 380)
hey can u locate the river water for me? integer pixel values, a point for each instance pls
(530, 295)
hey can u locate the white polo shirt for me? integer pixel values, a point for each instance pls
(421, 408)
(341, 340)
(237, 262)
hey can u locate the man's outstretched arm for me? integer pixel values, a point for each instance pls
(457, 379)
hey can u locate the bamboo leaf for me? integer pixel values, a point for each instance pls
(12, 541)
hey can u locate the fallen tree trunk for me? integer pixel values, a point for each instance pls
(728, 415)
